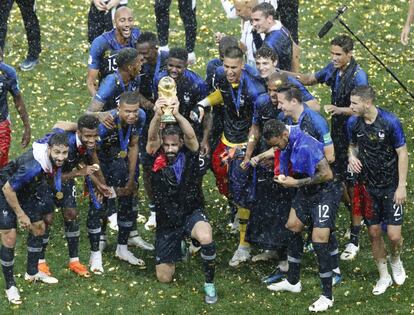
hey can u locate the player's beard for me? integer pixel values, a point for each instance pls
(171, 157)
(54, 165)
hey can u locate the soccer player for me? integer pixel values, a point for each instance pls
(342, 74)
(82, 155)
(102, 55)
(378, 148)
(101, 13)
(277, 36)
(10, 83)
(266, 64)
(26, 198)
(187, 9)
(312, 204)
(31, 24)
(406, 29)
(154, 61)
(176, 170)
(241, 94)
(122, 80)
(118, 155)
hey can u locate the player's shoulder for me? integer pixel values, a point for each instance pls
(8, 70)
(388, 116)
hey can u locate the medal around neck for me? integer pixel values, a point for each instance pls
(167, 89)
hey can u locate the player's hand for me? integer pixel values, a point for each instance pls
(218, 36)
(204, 148)
(197, 115)
(355, 164)
(404, 34)
(175, 104)
(24, 221)
(286, 181)
(112, 4)
(244, 165)
(87, 170)
(107, 120)
(130, 188)
(332, 110)
(254, 161)
(159, 105)
(104, 190)
(400, 195)
(100, 5)
(26, 137)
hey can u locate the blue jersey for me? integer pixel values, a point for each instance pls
(312, 123)
(149, 73)
(109, 92)
(240, 112)
(110, 143)
(8, 83)
(341, 87)
(281, 43)
(303, 152)
(104, 50)
(377, 144)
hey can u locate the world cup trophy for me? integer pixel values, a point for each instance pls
(168, 90)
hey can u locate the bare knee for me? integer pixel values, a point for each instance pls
(48, 219)
(375, 232)
(38, 228)
(394, 237)
(70, 214)
(165, 272)
(8, 238)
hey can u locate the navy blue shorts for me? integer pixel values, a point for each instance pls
(240, 183)
(35, 207)
(383, 207)
(168, 240)
(69, 195)
(116, 172)
(318, 209)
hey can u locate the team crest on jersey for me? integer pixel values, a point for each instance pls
(186, 97)
(381, 134)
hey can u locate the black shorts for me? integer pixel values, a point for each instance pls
(35, 207)
(168, 240)
(318, 209)
(69, 195)
(384, 210)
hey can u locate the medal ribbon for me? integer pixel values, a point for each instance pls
(58, 179)
(239, 92)
(124, 141)
(95, 201)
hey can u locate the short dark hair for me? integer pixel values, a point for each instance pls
(365, 92)
(233, 53)
(273, 128)
(226, 42)
(172, 130)
(343, 41)
(59, 138)
(266, 52)
(290, 91)
(88, 122)
(126, 56)
(277, 78)
(129, 97)
(266, 8)
(148, 37)
(178, 53)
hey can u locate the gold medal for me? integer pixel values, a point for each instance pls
(59, 195)
(122, 154)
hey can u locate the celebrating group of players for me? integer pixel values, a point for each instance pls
(255, 125)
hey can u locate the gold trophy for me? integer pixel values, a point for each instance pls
(167, 89)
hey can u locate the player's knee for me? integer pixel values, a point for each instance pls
(394, 237)
(205, 237)
(38, 228)
(48, 219)
(8, 238)
(70, 214)
(375, 232)
(164, 277)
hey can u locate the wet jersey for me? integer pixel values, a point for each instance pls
(279, 40)
(8, 83)
(377, 144)
(241, 104)
(110, 143)
(148, 86)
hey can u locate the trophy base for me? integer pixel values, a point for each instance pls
(168, 119)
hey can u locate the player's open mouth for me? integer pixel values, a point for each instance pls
(126, 32)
